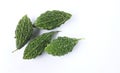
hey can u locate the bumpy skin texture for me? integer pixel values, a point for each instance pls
(61, 46)
(23, 31)
(37, 45)
(52, 19)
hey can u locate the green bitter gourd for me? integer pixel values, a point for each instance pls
(61, 46)
(37, 45)
(23, 31)
(52, 19)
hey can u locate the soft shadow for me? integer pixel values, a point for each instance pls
(55, 35)
(36, 32)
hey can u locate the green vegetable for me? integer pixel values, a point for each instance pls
(23, 31)
(52, 19)
(37, 45)
(61, 46)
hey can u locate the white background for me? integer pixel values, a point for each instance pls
(98, 21)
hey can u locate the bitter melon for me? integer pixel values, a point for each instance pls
(37, 45)
(52, 19)
(61, 46)
(23, 31)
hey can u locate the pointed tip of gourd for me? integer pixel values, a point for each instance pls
(81, 39)
(14, 50)
(25, 14)
(57, 31)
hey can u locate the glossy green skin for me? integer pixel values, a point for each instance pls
(51, 19)
(23, 31)
(61, 46)
(37, 45)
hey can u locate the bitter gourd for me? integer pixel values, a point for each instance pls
(52, 19)
(61, 46)
(37, 45)
(23, 31)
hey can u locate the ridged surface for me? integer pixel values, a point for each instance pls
(61, 46)
(52, 19)
(37, 45)
(23, 31)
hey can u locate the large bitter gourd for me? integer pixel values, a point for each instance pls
(52, 19)
(37, 45)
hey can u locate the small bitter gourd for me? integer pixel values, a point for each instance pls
(61, 46)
